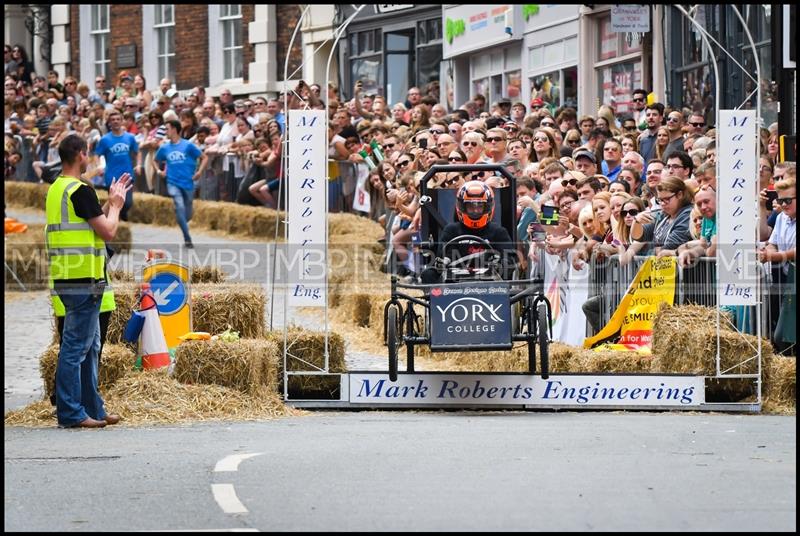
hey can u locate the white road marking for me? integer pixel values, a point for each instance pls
(231, 463)
(226, 498)
(205, 530)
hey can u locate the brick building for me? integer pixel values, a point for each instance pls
(240, 47)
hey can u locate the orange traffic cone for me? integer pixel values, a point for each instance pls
(152, 344)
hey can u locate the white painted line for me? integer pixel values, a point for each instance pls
(231, 463)
(204, 530)
(226, 498)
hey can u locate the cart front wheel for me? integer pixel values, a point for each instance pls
(530, 319)
(544, 340)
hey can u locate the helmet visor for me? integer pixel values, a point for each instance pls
(475, 209)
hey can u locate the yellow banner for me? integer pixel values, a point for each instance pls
(633, 320)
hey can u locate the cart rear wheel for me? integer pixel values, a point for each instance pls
(530, 318)
(392, 341)
(544, 340)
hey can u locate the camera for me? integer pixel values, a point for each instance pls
(549, 215)
(772, 195)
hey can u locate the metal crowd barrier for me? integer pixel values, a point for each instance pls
(696, 285)
(343, 175)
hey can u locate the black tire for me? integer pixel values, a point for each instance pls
(411, 331)
(531, 320)
(544, 340)
(392, 342)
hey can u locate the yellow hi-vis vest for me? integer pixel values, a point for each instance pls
(74, 250)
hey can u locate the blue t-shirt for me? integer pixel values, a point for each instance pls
(181, 161)
(117, 152)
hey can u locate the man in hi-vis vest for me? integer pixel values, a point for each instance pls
(76, 231)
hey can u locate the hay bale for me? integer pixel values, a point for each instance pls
(25, 194)
(610, 361)
(125, 294)
(245, 364)
(685, 341)
(152, 397)
(123, 241)
(216, 307)
(780, 384)
(346, 223)
(263, 222)
(118, 275)
(307, 350)
(207, 274)
(25, 255)
(116, 362)
(356, 308)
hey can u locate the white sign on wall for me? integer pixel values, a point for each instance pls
(630, 18)
(304, 261)
(471, 27)
(517, 389)
(737, 209)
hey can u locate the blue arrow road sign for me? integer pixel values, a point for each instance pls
(169, 292)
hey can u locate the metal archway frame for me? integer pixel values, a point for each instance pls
(283, 195)
(706, 37)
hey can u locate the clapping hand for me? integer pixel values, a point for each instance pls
(119, 189)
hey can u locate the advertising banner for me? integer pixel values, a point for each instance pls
(517, 389)
(737, 179)
(653, 285)
(476, 315)
(307, 222)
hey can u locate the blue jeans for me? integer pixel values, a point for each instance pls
(77, 396)
(183, 208)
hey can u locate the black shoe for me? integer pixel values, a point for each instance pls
(189, 244)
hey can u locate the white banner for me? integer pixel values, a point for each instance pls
(305, 262)
(737, 209)
(517, 389)
(361, 201)
(567, 289)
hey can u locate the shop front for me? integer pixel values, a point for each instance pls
(391, 48)
(483, 53)
(551, 54)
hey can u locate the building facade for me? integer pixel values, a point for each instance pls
(574, 55)
(391, 48)
(240, 47)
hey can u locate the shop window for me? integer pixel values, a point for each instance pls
(613, 44)
(514, 85)
(366, 60)
(429, 55)
(556, 88)
(497, 74)
(617, 83)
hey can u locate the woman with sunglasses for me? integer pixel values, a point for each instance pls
(671, 228)
(626, 247)
(544, 145)
(572, 139)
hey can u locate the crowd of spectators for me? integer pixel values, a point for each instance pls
(626, 184)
